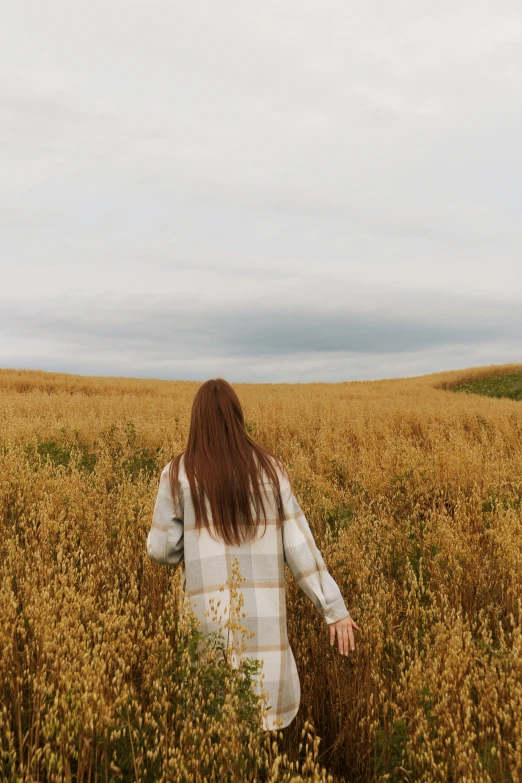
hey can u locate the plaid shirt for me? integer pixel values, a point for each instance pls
(207, 567)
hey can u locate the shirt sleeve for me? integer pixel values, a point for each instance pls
(165, 538)
(307, 565)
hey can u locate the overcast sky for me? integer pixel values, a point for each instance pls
(275, 191)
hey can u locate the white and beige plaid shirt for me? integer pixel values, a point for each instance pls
(207, 569)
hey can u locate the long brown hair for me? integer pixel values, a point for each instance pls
(227, 466)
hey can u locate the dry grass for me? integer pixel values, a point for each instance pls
(414, 496)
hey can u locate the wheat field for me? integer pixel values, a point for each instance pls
(413, 494)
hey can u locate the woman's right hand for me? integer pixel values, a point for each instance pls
(344, 630)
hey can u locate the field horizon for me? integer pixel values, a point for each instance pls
(460, 375)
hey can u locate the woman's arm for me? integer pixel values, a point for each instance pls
(307, 565)
(165, 539)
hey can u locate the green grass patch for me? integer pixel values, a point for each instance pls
(60, 453)
(388, 750)
(508, 385)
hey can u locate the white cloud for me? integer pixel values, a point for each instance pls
(328, 155)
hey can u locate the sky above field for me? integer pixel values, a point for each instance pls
(275, 191)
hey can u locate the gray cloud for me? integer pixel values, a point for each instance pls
(173, 328)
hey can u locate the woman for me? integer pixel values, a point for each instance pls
(226, 497)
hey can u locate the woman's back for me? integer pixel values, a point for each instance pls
(207, 570)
